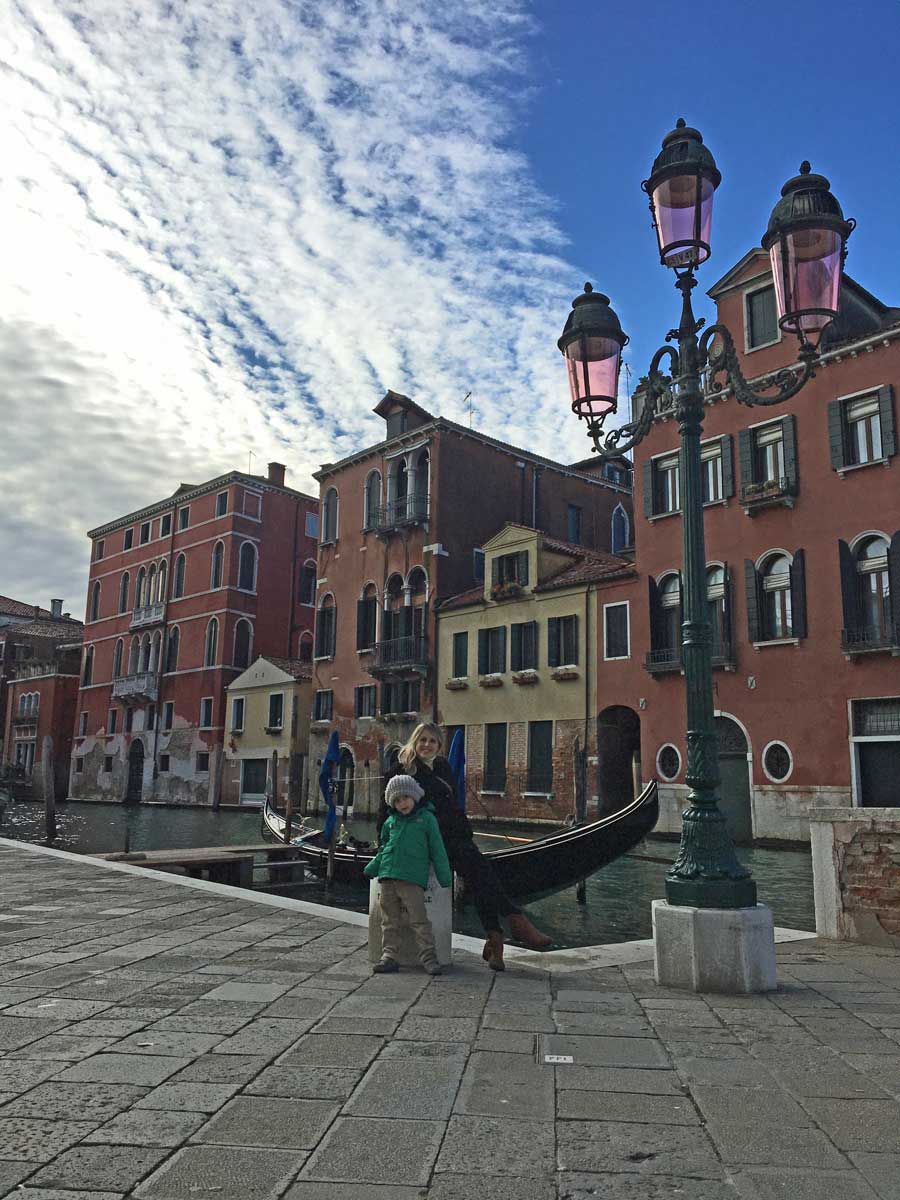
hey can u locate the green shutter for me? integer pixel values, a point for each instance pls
(482, 652)
(502, 666)
(362, 607)
(648, 488)
(894, 578)
(574, 658)
(727, 465)
(789, 440)
(495, 571)
(515, 653)
(653, 609)
(522, 568)
(798, 595)
(849, 596)
(533, 662)
(888, 429)
(745, 454)
(754, 624)
(727, 623)
(837, 434)
(553, 642)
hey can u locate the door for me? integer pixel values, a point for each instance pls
(135, 787)
(254, 772)
(345, 774)
(618, 742)
(734, 789)
(879, 774)
(540, 756)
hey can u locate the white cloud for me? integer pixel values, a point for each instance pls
(231, 226)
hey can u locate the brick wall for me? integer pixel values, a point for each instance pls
(856, 871)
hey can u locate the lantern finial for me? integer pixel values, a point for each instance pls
(588, 287)
(805, 168)
(680, 123)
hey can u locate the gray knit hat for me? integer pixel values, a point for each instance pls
(402, 785)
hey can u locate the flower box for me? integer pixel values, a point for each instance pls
(506, 591)
(456, 685)
(563, 673)
(319, 726)
(525, 677)
(490, 681)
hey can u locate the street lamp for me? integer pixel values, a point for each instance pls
(806, 239)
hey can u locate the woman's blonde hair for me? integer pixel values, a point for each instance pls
(407, 754)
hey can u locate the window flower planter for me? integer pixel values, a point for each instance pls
(319, 726)
(506, 591)
(456, 685)
(490, 681)
(563, 673)
(526, 677)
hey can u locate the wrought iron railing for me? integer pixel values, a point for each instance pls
(148, 614)
(870, 637)
(144, 685)
(399, 653)
(410, 510)
(666, 659)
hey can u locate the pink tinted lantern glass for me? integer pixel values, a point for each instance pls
(807, 278)
(677, 227)
(593, 366)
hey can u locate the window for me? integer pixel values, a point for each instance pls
(492, 650)
(98, 548)
(540, 756)
(524, 646)
(252, 504)
(562, 641)
(510, 569)
(243, 636)
(478, 565)
(308, 583)
(237, 714)
(128, 539)
(372, 500)
(365, 701)
(95, 601)
(172, 649)
(108, 764)
(761, 317)
(326, 620)
(79, 765)
(164, 764)
(87, 670)
(217, 567)
(330, 516)
(151, 716)
(460, 655)
(178, 581)
(112, 721)
(323, 705)
(168, 714)
(616, 630)
(861, 429)
(184, 517)
(206, 712)
(367, 618)
(768, 455)
(665, 624)
(869, 607)
(715, 472)
(402, 697)
(312, 525)
(212, 643)
(662, 486)
(494, 758)
(305, 648)
(202, 762)
(621, 530)
(140, 589)
(161, 581)
(276, 711)
(123, 593)
(777, 761)
(145, 533)
(668, 762)
(221, 504)
(82, 724)
(719, 611)
(165, 525)
(574, 524)
(129, 720)
(247, 568)
(776, 597)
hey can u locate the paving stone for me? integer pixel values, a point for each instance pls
(868, 1125)
(370, 1006)
(606, 1051)
(160, 1041)
(697, 1049)
(20, 1031)
(505, 1085)
(20, 1074)
(766, 1105)
(607, 1024)
(487, 1145)
(143, 1127)
(228, 1174)
(882, 1171)
(328, 1050)
(31, 1140)
(62, 1047)
(372, 1026)
(288, 1124)
(781, 1183)
(617, 1079)
(573, 1000)
(301, 1007)
(264, 1036)
(379, 1151)
(579, 1186)
(510, 1041)
(425, 1050)
(141, 1069)
(733, 1072)
(585, 1146)
(464, 1187)
(308, 1190)
(11, 1173)
(846, 1084)
(88, 1101)
(523, 1022)
(672, 1032)
(790, 1146)
(414, 1087)
(308, 1083)
(438, 1029)
(104, 1028)
(221, 1068)
(263, 993)
(626, 1106)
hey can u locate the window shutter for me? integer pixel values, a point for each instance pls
(653, 608)
(495, 571)
(553, 642)
(482, 652)
(502, 640)
(332, 630)
(888, 429)
(522, 568)
(361, 613)
(849, 599)
(727, 465)
(789, 437)
(406, 621)
(728, 601)
(754, 625)
(745, 454)
(837, 434)
(648, 489)
(534, 636)
(515, 651)
(573, 657)
(894, 579)
(798, 595)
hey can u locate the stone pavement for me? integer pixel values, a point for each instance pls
(175, 1042)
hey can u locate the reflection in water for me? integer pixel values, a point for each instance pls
(618, 897)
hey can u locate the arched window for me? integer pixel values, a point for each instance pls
(139, 588)
(117, 659)
(398, 486)
(156, 652)
(243, 638)
(133, 656)
(418, 504)
(87, 670)
(621, 530)
(161, 582)
(150, 589)
(372, 500)
(23, 704)
(35, 702)
(873, 586)
(218, 566)
(95, 601)
(178, 580)
(670, 609)
(326, 625)
(211, 644)
(776, 596)
(367, 618)
(394, 622)
(145, 652)
(123, 593)
(247, 568)
(717, 604)
(417, 585)
(308, 582)
(330, 516)
(172, 649)
(305, 647)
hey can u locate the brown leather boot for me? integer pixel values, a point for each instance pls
(522, 930)
(493, 950)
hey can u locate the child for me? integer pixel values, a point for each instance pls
(410, 843)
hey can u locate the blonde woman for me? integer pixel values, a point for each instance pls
(422, 759)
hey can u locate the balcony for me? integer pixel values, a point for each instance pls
(867, 639)
(411, 510)
(148, 614)
(661, 662)
(766, 493)
(138, 688)
(722, 654)
(27, 719)
(399, 656)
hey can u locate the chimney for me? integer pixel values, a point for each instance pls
(276, 474)
(56, 609)
(36, 610)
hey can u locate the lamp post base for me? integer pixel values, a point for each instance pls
(712, 893)
(725, 950)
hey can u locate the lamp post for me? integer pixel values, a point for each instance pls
(806, 239)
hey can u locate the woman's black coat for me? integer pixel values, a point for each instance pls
(439, 786)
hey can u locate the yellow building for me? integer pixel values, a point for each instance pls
(517, 669)
(268, 709)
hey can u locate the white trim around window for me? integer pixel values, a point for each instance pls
(617, 657)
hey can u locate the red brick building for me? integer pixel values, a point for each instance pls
(803, 553)
(402, 523)
(182, 596)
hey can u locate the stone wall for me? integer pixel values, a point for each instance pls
(856, 873)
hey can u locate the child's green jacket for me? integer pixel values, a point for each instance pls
(409, 845)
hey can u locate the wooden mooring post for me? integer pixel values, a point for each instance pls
(49, 774)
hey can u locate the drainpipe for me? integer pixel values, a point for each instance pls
(435, 683)
(163, 653)
(292, 625)
(587, 683)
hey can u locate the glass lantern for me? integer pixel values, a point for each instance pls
(681, 188)
(592, 344)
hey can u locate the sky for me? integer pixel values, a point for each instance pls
(230, 227)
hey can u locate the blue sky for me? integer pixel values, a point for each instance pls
(235, 225)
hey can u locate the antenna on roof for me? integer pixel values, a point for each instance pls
(628, 388)
(468, 396)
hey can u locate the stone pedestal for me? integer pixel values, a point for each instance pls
(438, 905)
(725, 950)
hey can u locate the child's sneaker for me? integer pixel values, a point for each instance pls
(433, 968)
(386, 966)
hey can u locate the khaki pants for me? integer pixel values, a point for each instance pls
(404, 903)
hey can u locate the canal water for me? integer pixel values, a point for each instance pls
(618, 898)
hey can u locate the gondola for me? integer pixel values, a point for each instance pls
(530, 870)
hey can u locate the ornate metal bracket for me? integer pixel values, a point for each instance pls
(658, 398)
(723, 359)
